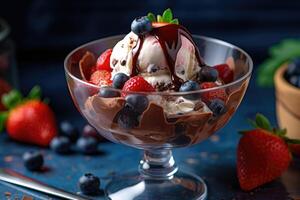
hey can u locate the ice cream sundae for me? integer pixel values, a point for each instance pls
(153, 88)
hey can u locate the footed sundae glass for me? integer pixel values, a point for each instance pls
(158, 129)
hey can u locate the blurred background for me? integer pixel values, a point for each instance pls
(44, 32)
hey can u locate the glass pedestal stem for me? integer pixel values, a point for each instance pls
(158, 164)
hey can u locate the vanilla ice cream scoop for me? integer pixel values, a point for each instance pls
(152, 56)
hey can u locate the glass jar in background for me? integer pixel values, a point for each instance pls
(8, 70)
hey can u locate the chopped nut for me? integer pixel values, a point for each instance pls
(198, 106)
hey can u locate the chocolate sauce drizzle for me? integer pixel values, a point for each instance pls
(169, 38)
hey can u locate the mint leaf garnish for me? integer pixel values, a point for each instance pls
(151, 17)
(35, 93)
(174, 21)
(167, 15)
(159, 18)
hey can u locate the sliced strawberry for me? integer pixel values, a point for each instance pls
(214, 94)
(103, 62)
(137, 84)
(225, 72)
(101, 78)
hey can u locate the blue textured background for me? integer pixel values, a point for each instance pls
(45, 31)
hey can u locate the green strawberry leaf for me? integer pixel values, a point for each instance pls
(167, 15)
(46, 100)
(12, 99)
(252, 123)
(175, 21)
(263, 122)
(292, 141)
(151, 17)
(159, 18)
(280, 132)
(3, 118)
(35, 93)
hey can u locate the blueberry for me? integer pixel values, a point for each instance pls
(217, 106)
(137, 103)
(295, 80)
(141, 25)
(189, 86)
(33, 161)
(87, 145)
(61, 145)
(127, 118)
(119, 80)
(293, 68)
(68, 130)
(89, 184)
(208, 74)
(108, 92)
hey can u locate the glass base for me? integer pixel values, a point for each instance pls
(134, 186)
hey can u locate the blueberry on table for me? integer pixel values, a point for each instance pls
(208, 74)
(189, 86)
(293, 68)
(119, 80)
(89, 184)
(138, 103)
(108, 92)
(127, 118)
(61, 145)
(87, 145)
(68, 130)
(141, 25)
(217, 106)
(33, 161)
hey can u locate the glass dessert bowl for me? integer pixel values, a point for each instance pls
(161, 116)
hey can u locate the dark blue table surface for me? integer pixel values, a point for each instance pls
(214, 159)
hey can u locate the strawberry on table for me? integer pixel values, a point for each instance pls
(103, 62)
(263, 154)
(137, 84)
(29, 119)
(207, 97)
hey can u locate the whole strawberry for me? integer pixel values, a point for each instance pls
(262, 155)
(29, 119)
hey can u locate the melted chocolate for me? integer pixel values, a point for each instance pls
(169, 38)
